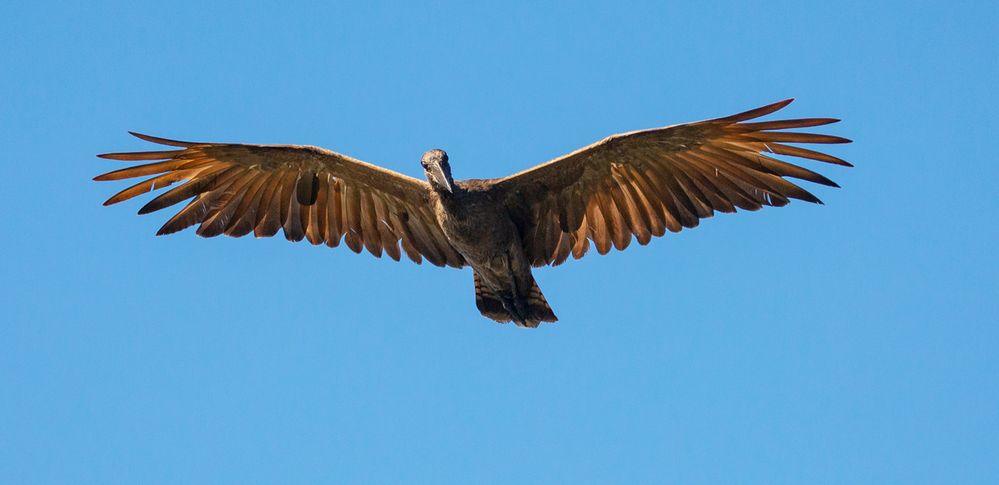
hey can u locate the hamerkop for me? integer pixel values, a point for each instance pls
(637, 184)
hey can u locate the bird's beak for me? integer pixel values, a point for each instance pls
(437, 173)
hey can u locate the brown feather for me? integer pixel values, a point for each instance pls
(651, 201)
(353, 235)
(318, 224)
(741, 167)
(245, 217)
(292, 224)
(571, 209)
(563, 248)
(758, 112)
(647, 182)
(451, 257)
(626, 211)
(789, 170)
(217, 178)
(289, 183)
(150, 169)
(733, 193)
(334, 213)
(371, 238)
(793, 151)
(193, 213)
(162, 141)
(269, 215)
(537, 249)
(133, 156)
(552, 234)
(635, 190)
(310, 222)
(699, 200)
(620, 235)
(750, 157)
(727, 194)
(219, 217)
(754, 190)
(410, 244)
(408, 248)
(675, 199)
(582, 244)
(719, 201)
(389, 240)
(634, 215)
(784, 124)
(792, 137)
(597, 227)
(423, 240)
(157, 182)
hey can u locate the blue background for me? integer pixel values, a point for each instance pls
(848, 343)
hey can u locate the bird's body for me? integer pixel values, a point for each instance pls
(474, 219)
(477, 221)
(633, 185)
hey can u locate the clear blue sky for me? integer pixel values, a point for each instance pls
(854, 342)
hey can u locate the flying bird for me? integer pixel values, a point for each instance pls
(630, 185)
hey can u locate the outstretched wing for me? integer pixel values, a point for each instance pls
(309, 192)
(646, 182)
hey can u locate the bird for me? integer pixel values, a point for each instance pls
(636, 185)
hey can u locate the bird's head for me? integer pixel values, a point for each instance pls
(437, 170)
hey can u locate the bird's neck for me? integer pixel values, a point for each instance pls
(445, 195)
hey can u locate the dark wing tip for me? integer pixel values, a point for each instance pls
(779, 105)
(148, 208)
(758, 112)
(161, 141)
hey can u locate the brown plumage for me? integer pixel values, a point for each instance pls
(639, 184)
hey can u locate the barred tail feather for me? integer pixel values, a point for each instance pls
(528, 312)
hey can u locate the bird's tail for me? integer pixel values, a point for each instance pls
(527, 311)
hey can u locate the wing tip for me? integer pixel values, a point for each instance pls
(757, 112)
(777, 106)
(161, 141)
